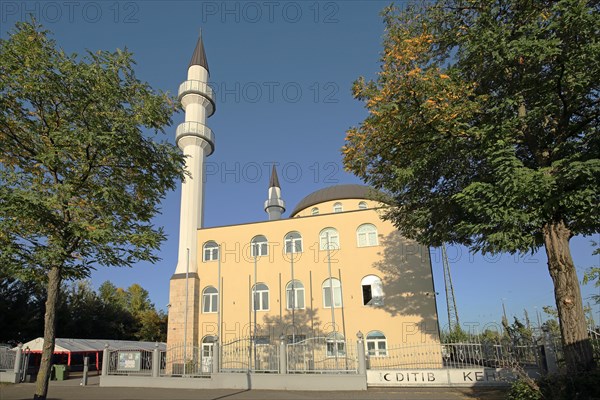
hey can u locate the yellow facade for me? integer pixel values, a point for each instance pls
(405, 313)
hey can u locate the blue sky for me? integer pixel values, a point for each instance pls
(283, 72)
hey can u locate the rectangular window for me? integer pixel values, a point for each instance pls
(261, 300)
(372, 294)
(341, 348)
(337, 297)
(334, 242)
(262, 340)
(377, 347)
(295, 301)
(210, 301)
(260, 249)
(298, 338)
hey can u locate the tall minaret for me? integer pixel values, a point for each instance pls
(274, 206)
(196, 141)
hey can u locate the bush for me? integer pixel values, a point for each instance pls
(520, 390)
(584, 386)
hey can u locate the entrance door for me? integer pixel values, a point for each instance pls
(207, 357)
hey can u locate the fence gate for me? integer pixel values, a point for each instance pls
(322, 355)
(182, 360)
(248, 354)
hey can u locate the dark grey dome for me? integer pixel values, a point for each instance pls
(338, 192)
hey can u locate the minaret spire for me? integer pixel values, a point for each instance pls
(274, 181)
(199, 56)
(274, 206)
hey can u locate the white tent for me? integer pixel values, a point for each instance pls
(94, 347)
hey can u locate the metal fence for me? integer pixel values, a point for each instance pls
(322, 355)
(7, 358)
(247, 354)
(455, 355)
(556, 342)
(185, 360)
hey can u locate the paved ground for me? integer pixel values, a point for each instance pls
(71, 390)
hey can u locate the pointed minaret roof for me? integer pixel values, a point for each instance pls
(199, 56)
(274, 182)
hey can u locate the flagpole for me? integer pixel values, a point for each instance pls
(219, 300)
(293, 294)
(254, 305)
(332, 301)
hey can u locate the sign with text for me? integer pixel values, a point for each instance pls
(441, 377)
(129, 361)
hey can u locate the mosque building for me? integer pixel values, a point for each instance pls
(331, 269)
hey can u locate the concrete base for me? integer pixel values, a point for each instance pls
(243, 381)
(445, 377)
(9, 377)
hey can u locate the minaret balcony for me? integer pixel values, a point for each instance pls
(275, 203)
(196, 129)
(199, 88)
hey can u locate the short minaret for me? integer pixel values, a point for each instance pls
(196, 140)
(274, 206)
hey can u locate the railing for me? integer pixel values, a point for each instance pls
(313, 355)
(185, 360)
(193, 86)
(191, 128)
(454, 355)
(322, 355)
(7, 358)
(407, 356)
(245, 354)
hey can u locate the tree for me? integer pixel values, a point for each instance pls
(593, 274)
(21, 309)
(483, 129)
(82, 173)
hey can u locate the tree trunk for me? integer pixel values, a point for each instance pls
(41, 389)
(577, 347)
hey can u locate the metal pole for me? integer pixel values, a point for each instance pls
(219, 298)
(185, 316)
(254, 305)
(332, 301)
(343, 319)
(86, 362)
(293, 294)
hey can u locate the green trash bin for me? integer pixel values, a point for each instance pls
(61, 372)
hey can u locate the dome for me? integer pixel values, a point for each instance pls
(337, 192)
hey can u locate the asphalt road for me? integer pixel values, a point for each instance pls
(71, 390)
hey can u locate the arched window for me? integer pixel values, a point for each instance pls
(210, 251)
(293, 243)
(327, 293)
(366, 235)
(372, 290)
(210, 300)
(260, 246)
(362, 205)
(337, 207)
(376, 344)
(336, 345)
(329, 239)
(294, 295)
(260, 299)
(314, 211)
